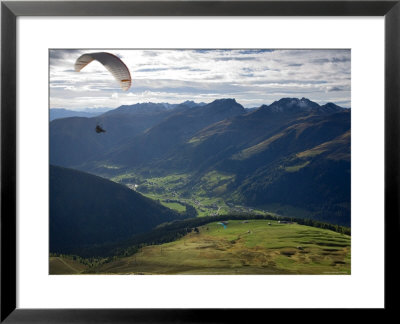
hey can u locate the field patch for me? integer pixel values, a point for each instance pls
(65, 265)
(243, 247)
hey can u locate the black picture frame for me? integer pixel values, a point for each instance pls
(10, 10)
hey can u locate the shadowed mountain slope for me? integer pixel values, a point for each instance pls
(172, 131)
(73, 141)
(88, 210)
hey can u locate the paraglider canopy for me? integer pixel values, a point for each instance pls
(111, 62)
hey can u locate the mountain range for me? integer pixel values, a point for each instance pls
(56, 113)
(293, 152)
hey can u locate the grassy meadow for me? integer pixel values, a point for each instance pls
(65, 265)
(244, 247)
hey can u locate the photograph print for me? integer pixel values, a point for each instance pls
(199, 161)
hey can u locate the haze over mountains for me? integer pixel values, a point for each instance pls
(56, 113)
(293, 152)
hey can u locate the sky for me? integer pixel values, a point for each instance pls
(251, 76)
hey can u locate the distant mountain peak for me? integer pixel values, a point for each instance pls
(225, 105)
(331, 107)
(188, 102)
(225, 100)
(191, 103)
(293, 105)
(303, 103)
(146, 107)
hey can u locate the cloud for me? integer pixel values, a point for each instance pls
(252, 76)
(336, 88)
(152, 70)
(237, 58)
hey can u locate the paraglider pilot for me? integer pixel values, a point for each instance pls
(99, 129)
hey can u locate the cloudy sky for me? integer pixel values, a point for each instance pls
(252, 77)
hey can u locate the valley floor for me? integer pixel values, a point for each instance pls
(206, 198)
(243, 247)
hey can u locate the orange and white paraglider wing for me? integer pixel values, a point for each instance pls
(111, 62)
